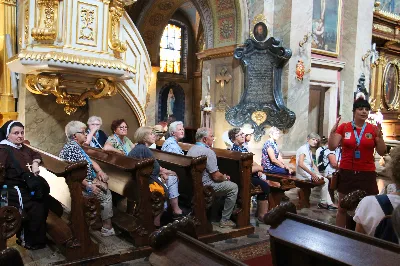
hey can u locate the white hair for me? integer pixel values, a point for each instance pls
(273, 130)
(93, 119)
(173, 126)
(73, 127)
(201, 133)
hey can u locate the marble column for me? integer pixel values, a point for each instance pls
(293, 20)
(356, 40)
(151, 99)
(196, 99)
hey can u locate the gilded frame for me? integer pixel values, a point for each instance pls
(319, 45)
(394, 104)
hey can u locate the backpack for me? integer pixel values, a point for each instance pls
(385, 230)
(320, 161)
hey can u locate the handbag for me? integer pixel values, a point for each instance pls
(36, 184)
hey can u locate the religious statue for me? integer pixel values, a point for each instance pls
(170, 102)
(300, 70)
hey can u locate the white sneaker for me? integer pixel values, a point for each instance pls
(107, 232)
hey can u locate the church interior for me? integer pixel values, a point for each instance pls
(265, 91)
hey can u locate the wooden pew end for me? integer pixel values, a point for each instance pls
(277, 214)
(10, 256)
(165, 234)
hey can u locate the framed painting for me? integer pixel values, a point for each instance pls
(326, 23)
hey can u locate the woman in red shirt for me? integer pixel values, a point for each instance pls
(357, 166)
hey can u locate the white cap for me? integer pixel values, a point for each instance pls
(247, 130)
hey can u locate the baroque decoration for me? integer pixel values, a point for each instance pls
(55, 84)
(46, 20)
(262, 103)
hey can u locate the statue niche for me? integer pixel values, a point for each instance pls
(261, 103)
(171, 102)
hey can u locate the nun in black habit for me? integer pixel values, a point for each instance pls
(16, 159)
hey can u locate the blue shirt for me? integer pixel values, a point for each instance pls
(171, 145)
(238, 148)
(265, 160)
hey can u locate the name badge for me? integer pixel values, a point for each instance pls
(368, 136)
(347, 135)
(357, 154)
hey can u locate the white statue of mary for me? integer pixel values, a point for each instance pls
(170, 102)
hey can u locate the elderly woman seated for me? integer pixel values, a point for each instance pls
(119, 142)
(176, 132)
(144, 136)
(96, 137)
(372, 209)
(96, 179)
(271, 159)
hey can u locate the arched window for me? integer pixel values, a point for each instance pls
(170, 49)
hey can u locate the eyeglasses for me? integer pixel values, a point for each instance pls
(123, 128)
(239, 134)
(96, 124)
(84, 133)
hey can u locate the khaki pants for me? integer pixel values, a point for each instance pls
(230, 190)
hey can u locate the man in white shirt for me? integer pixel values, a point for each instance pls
(306, 169)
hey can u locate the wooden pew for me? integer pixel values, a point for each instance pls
(129, 177)
(176, 244)
(297, 240)
(304, 185)
(10, 222)
(191, 190)
(238, 166)
(72, 237)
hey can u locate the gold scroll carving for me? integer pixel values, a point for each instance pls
(55, 84)
(116, 13)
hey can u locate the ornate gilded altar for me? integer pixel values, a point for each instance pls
(385, 70)
(81, 50)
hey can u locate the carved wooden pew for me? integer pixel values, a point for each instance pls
(72, 237)
(300, 241)
(129, 177)
(10, 222)
(191, 190)
(304, 185)
(238, 166)
(176, 244)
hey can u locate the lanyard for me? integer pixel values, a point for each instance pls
(87, 159)
(358, 137)
(120, 143)
(201, 144)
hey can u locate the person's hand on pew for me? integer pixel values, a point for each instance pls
(102, 176)
(273, 183)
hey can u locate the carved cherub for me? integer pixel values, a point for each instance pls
(300, 70)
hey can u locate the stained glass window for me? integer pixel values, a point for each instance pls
(170, 49)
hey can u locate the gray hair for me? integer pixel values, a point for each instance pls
(173, 126)
(201, 133)
(93, 119)
(273, 130)
(313, 135)
(72, 128)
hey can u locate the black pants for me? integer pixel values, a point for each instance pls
(34, 217)
(256, 181)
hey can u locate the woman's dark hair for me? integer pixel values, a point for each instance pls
(116, 123)
(361, 103)
(3, 129)
(232, 133)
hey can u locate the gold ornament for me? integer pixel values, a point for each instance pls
(259, 117)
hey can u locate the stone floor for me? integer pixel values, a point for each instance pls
(117, 244)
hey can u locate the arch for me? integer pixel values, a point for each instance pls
(179, 107)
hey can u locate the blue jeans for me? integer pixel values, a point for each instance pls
(256, 181)
(277, 170)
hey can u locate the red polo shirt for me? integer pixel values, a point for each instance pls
(366, 148)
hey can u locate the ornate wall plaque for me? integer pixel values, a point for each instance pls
(262, 103)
